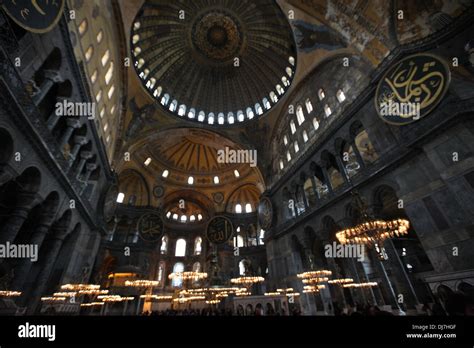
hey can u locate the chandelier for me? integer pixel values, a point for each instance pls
(247, 280)
(142, 283)
(8, 293)
(341, 281)
(360, 285)
(373, 232)
(188, 275)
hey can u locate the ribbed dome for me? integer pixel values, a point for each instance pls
(217, 61)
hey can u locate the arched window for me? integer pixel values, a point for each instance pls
(282, 165)
(239, 241)
(109, 73)
(173, 105)
(100, 36)
(182, 110)
(285, 140)
(201, 116)
(279, 89)
(230, 118)
(250, 113)
(105, 58)
(299, 115)
(98, 96)
(83, 27)
(220, 118)
(210, 118)
(273, 97)
(315, 123)
(165, 99)
(178, 281)
(242, 268)
(327, 110)
(258, 109)
(288, 156)
(248, 208)
(180, 248)
(164, 245)
(266, 103)
(89, 53)
(297, 147)
(321, 94)
(240, 116)
(161, 272)
(198, 246)
(238, 208)
(285, 81)
(293, 127)
(340, 96)
(289, 72)
(309, 106)
(305, 136)
(192, 113)
(120, 197)
(197, 267)
(261, 237)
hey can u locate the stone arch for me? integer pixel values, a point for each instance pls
(133, 184)
(6, 147)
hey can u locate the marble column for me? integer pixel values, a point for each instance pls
(24, 267)
(51, 77)
(53, 119)
(79, 141)
(85, 155)
(13, 224)
(327, 180)
(54, 247)
(342, 169)
(360, 160)
(72, 125)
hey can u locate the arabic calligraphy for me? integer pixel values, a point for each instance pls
(38, 16)
(265, 213)
(219, 230)
(150, 227)
(412, 88)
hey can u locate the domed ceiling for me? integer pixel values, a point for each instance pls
(218, 62)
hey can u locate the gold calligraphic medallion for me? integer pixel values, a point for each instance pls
(412, 88)
(37, 16)
(219, 230)
(150, 227)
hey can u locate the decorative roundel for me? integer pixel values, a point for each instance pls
(216, 62)
(218, 197)
(219, 230)
(412, 88)
(265, 213)
(158, 191)
(150, 227)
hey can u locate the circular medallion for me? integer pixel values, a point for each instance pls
(150, 227)
(265, 213)
(412, 88)
(35, 16)
(219, 230)
(218, 197)
(110, 202)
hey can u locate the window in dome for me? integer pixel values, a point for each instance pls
(120, 197)
(300, 115)
(102, 112)
(190, 180)
(340, 96)
(210, 118)
(266, 104)
(216, 180)
(289, 72)
(309, 106)
(165, 173)
(288, 156)
(239, 242)
(180, 248)
(305, 136)
(147, 162)
(258, 109)
(151, 83)
(175, 216)
(285, 140)
(293, 127)
(112, 110)
(140, 63)
(108, 139)
(94, 76)
(238, 208)
(182, 110)
(89, 53)
(291, 60)
(285, 81)
(137, 51)
(165, 99)
(191, 113)
(315, 123)
(230, 118)
(173, 105)
(327, 110)
(192, 218)
(184, 218)
(168, 214)
(321, 94)
(297, 147)
(240, 116)
(201, 116)
(111, 91)
(248, 208)
(282, 166)
(105, 58)
(100, 36)
(199, 217)
(158, 91)
(250, 113)
(273, 97)
(137, 25)
(98, 96)
(83, 27)
(280, 90)
(261, 237)
(109, 73)
(220, 118)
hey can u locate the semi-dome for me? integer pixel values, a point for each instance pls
(216, 62)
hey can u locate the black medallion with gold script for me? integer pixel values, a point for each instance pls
(150, 227)
(265, 213)
(412, 88)
(219, 230)
(37, 16)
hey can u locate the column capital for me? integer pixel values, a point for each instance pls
(91, 167)
(86, 155)
(73, 123)
(53, 75)
(80, 140)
